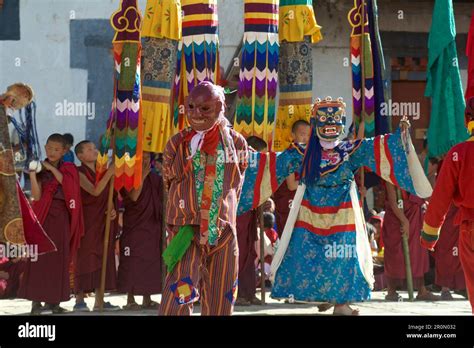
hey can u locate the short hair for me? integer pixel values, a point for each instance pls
(371, 230)
(57, 138)
(298, 123)
(28, 88)
(69, 138)
(268, 220)
(256, 143)
(80, 146)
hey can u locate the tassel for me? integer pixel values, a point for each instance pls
(311, 167)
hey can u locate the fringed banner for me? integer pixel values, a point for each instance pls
(255, 113)
(125, 125)
(161, 33)
(198, 53)
(298, 30)
(367, 60)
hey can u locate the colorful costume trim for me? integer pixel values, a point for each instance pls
(297, 20)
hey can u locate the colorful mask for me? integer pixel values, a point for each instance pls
(330, 117)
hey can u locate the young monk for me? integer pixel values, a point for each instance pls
(139, 270)
(57, 204)
(94, 202)
(283, 197)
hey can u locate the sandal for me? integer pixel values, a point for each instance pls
(325, 307)
(151, 306)
(242, 302)
(428, 296)
(395, 297)
(446, 296)
(132, 307)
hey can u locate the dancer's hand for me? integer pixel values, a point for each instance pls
(405, 124)
(405, 227)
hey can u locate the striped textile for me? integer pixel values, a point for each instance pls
(255, 114)
(297, 20)
(125, 123)
(198, 53)
(367, 57)
(161, 33)
(214, 270)
(183, 208)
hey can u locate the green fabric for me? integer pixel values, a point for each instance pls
(178, 247)
(199, 171)
(444, 84)
(216, 195)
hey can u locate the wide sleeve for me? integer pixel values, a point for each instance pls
(442, 196)
(393, 160)
(169, 156)
(265, 173)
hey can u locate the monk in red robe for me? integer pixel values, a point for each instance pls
(454, 185)
(58, 206)
(448, 269)
(398, 221)
(139, 270)
(11, 272)
(286, 192)
(89, 257)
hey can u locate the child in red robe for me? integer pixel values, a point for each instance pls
(94, 203)
(57, 204)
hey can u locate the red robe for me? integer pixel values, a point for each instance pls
(139, 270)
(282, 198)
(10, 286)
(394, 261)
(454, 185)
(60, 212)
(246, 238)
(89, 257)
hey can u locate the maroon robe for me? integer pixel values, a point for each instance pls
(449, 272)
(15, 271)
(47, 279)
(89, 256)
(282, 198)
(246, 238)
(139, 270)
(394, 261)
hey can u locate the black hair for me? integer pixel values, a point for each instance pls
(57, 138)
(80, 146)
(371, 230)
(298, 123)
(69, 138)
(256, 143)
(268, 220)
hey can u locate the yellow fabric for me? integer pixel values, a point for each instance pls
(345, 216)
(163, 19)
(284, 123)
(433, 231)
(155, 126)
(298, 21)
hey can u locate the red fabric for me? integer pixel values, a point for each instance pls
(454, 184)
(394, 261)
(89, 256)
(470, 54)
(211, 139)
(34, 232)
(15, 271)
(282, 198)
(72, 196)
(246, 238)
(466, 254)
(449, 272)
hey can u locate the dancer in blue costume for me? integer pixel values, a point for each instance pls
(324, 254)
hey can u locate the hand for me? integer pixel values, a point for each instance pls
(113, 214)
(204, 237)
(269, 206)
(47, 165)
(405, 228)
(404, 124)
(427, 244)
(111, 170)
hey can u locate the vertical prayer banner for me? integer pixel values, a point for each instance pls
(161, 33)
(255, 113)
(198, 53)
(124, 134)
(367, 69)
(298, 31)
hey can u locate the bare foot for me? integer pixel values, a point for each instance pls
(345, 309)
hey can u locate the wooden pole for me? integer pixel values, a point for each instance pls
(262, 256)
